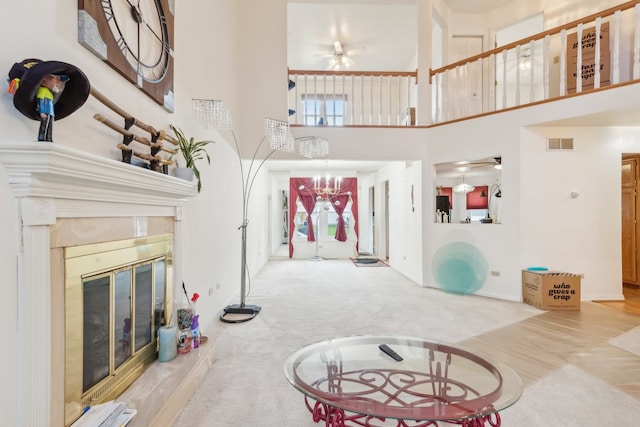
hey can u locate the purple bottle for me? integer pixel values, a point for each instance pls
(195, 331)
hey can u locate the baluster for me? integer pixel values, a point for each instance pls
(579, 59)
(479, 98)
(492, 83)
(353, 99)
(324, 100)
(362, 100)
(532, 68)
(504, 79)
(545, 65)
(333, 101)
(596, 65)
(379, 100)
(298, 102)
(445, 96)
(437, 113)
(563, 63)
(409, 99)
(616, 48)
(371, 100)
(457, 93)
(467, 88)
(636, 43)
(399, 109)
(344, 110)
(315, 98)
(517, 101)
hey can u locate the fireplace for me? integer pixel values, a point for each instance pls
(68, 204)
(117, 295)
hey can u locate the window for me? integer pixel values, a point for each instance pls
(323, 110)
(332, 220)
(325, 220)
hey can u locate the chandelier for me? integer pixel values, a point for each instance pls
(313, 147)
(327, 186)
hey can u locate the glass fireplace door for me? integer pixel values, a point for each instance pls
(119, 317)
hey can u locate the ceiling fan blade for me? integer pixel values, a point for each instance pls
(337, 47)
(355, 51)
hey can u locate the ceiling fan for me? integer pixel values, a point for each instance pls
(341, 57)
(495, 162)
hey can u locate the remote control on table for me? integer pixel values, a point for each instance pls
(387, 350)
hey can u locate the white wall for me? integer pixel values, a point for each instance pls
(405, 223)
(210, 221)
(470, 140)
(541, 224)
(10, 332)
(579, 235)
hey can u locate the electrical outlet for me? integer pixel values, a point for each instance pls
(495, 273)
(217, 285)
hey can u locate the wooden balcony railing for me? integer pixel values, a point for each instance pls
(599, 50)
(350, 98)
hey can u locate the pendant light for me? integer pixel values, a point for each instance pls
(464, 187)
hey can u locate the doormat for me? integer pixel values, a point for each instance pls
(368, 262)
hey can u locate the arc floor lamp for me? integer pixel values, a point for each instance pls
(214, 115)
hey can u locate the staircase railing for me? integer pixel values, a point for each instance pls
(586, 54)
(352, 98)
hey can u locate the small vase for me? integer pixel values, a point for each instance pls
(183, 173)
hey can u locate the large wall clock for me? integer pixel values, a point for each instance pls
(135, 37)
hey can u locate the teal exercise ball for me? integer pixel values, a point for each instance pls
(460, 268)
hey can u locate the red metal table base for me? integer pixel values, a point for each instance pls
(335, 417)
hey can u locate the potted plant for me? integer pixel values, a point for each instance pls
(192, 151)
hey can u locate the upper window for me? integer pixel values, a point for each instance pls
(323, 110)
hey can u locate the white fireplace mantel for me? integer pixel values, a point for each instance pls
(76, 179)
(50, 181)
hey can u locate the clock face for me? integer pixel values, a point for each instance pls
(135, 37)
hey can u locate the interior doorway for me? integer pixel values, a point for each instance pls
(384, 254)
(372, 221)
(629, 222)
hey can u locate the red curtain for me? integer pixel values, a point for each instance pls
(349, 185)
(475, 199)
(301, 188)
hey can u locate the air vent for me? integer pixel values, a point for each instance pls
(559, 144)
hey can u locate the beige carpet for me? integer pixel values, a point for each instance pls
(304, 302)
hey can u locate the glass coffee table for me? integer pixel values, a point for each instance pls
(350, 381)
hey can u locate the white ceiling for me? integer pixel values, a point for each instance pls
(475, 6)
(382, 33)
(383, 36)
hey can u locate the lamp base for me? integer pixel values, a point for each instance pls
(250, 311)
(316, 258)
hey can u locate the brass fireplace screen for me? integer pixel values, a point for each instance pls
(117, 295)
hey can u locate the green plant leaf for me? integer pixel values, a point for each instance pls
(192, 151)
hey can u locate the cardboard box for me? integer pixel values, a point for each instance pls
(551, 290)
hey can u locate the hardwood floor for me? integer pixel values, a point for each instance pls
(542, 344)
(631, 304)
